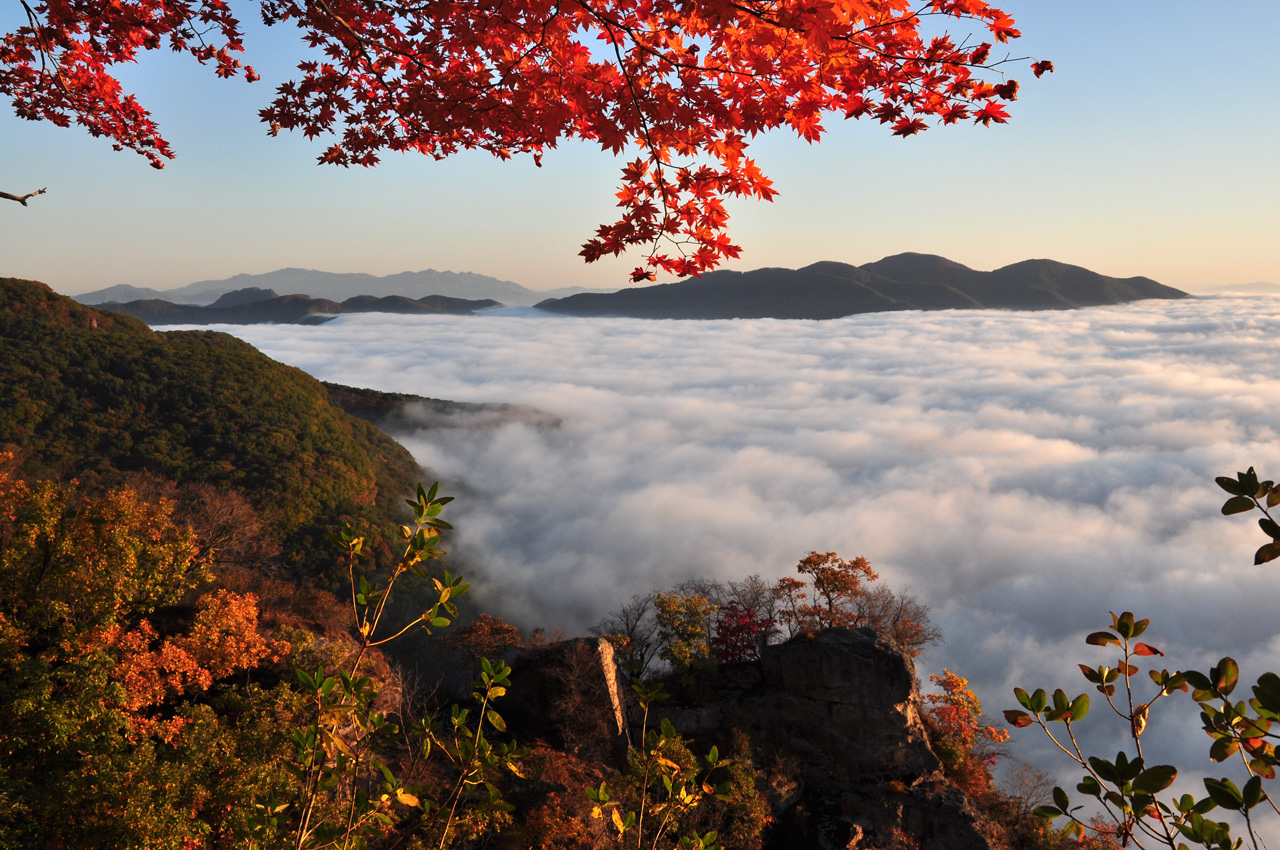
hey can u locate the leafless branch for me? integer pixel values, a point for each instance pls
(22, 199)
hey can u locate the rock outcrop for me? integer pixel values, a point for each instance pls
(834, 723)
(569, 695)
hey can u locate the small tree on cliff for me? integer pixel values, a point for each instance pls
(685, 84)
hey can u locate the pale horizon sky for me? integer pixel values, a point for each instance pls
(1151, 151)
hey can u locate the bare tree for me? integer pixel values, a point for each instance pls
(761, 598)
(635, 631)
(22, 199)
(900, 616)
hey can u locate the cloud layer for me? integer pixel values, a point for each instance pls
(1021, 473)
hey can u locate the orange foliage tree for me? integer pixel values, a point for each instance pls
(685, 84)
(836, 584)
(111, 644)
(486, 637)
(963, 742)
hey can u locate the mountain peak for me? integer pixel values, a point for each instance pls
(828, 290)
(917, 267)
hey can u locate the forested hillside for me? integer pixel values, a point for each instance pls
(98, 396)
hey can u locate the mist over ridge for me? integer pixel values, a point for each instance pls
(1021, 473)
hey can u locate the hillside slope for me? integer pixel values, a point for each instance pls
(98, 396)
(828, 290)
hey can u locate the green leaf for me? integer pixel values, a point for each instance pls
(1237, 505)
(1223, 749)
(1225, 793)
(1039, 700)
(1106, 770)
(1205, 806)
(1227, 674)
(1198, 680)
(496, 720)
(1023, 699)
(1267, 553)
(1060, 799)
(1089, 786)
(1267, 691)
(439, 622)
(1155, 779)
(1126, 770)
(1079, 707)
(1252, 792)
(1269, 528)
(1230, 485)
(1048, 812)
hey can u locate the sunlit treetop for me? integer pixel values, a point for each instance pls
(683, 84)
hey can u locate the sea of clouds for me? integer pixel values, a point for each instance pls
(1022, 474)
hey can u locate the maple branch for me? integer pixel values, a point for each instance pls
(654, 153)
(644, 47)
(46, 52)
(364, 44)
(22, 199)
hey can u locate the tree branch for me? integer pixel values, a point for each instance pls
(22, 199)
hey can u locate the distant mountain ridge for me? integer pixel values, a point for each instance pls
(339, 286)
(828, 290)
(256, 306)
(1256, 288)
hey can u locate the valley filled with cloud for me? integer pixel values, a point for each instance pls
(1022, 474)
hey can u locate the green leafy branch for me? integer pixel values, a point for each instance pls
(1248, 493)
(346, 793)
(1126, 788)
(473, 757)
(667, 788)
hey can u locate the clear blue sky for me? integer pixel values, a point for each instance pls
(1154, 149)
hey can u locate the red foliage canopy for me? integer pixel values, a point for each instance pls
(685, 82)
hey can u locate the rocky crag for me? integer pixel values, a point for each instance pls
(834, 722)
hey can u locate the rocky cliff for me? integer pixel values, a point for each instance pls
(834, 724)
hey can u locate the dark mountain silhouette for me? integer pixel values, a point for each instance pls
(255, 306)
(337, 286)
(828, 290)
(248, 295)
